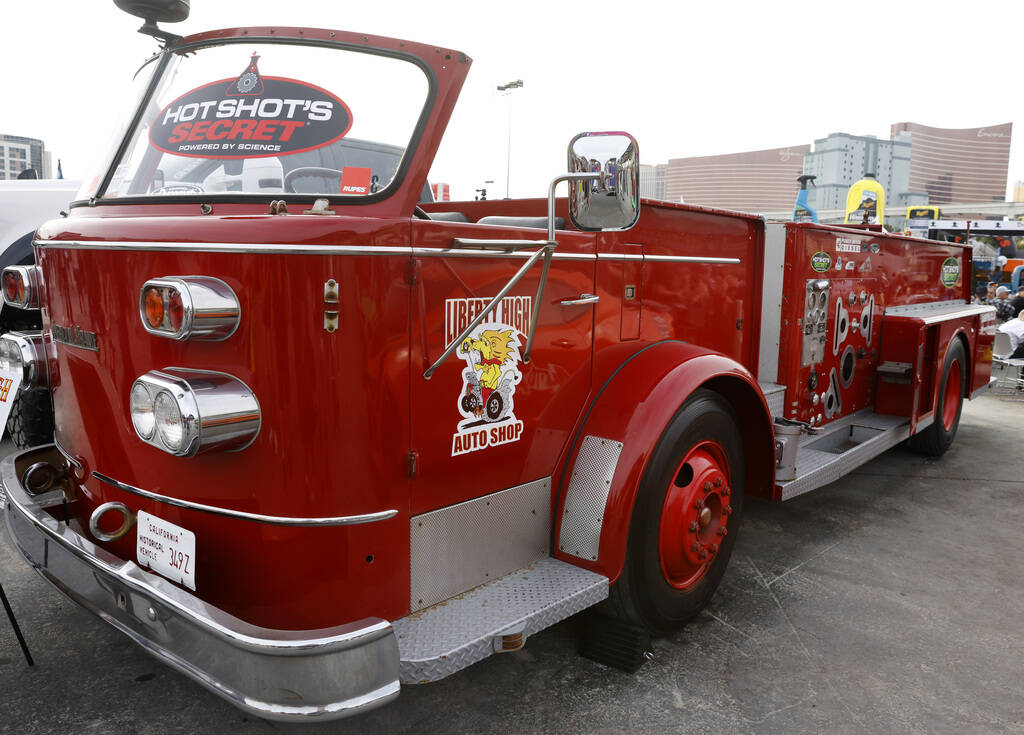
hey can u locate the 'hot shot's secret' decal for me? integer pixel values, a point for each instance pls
(251, 116)
(489, 381)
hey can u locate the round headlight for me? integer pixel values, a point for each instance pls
(141, 407)
(169, 425)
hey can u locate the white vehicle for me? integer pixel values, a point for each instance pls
(24, 205)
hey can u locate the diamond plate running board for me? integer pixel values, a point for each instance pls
(451, 635)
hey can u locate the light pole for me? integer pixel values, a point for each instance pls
(507, 90)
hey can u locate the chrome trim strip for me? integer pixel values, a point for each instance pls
(225, 247)
(240, 514)
(471, 253)
(690, 259)
(283, 249)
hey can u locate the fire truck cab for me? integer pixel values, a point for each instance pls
(316, 439)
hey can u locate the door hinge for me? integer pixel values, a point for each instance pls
(412, 462)
(414, 271)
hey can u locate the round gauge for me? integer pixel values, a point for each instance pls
(822, 299)
(811, 300)
(822, 316)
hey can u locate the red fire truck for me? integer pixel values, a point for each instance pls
(317, 436)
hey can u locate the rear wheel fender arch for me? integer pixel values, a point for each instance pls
(636, 406)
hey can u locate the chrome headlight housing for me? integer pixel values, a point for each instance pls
(185, 412)
(24, 351)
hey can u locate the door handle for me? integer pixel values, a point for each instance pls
(585, 298)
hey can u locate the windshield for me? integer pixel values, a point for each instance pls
(270, 118)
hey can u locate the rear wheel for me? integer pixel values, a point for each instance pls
(494, 406)
(685, 518)
(937, 438)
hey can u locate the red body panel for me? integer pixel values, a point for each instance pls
(894, 270)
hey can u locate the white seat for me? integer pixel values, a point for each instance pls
(1002, 346)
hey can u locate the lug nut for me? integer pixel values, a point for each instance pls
(703, 554)
(718, 482)
(707, 487)
(721, 530)
(727, 509)
(725, 490)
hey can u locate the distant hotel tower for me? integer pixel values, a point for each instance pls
(966, 165)
(754, 181)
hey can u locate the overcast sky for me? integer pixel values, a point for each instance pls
(685, 78)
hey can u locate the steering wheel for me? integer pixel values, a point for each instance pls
(298, 173)
(178, 187)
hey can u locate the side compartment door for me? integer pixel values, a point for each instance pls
(486, 420)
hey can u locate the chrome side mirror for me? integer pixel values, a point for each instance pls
(610, 200)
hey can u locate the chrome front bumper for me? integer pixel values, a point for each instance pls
(274, 674)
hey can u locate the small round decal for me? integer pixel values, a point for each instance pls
(950, 272)
(821, 261)
(250, 116)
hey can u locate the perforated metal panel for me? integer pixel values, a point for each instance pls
(583, 515)
(775, 397)
(456, 548)
(437, 642)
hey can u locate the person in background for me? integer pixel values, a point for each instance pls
(1004, 308)
(981, 294)
(1014, 329)
(1017, 302)
(990, 298)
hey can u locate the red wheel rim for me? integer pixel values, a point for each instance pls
(694, 519)
(951, 397)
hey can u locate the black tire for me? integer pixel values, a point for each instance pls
(468, 403)
(937, 438)
(643, 594)
(30, 422)
(495, 404)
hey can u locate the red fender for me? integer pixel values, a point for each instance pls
(634, 406)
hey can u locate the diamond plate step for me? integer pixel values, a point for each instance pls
(451, 635)
(814, 467)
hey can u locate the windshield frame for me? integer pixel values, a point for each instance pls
(164, 58)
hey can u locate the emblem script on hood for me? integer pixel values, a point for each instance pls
(75, 337)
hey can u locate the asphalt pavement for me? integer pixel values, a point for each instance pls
(891, 601)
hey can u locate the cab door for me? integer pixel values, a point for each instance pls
(486, 419)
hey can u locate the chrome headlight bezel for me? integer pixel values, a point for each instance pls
(218, 411)
(31, 353)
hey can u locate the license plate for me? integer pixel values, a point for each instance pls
(9, 382)
(167, 549)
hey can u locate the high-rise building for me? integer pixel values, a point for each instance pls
(18, 153)
(753, 181)
(840, 160)
(958, 165)
(653, 182)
